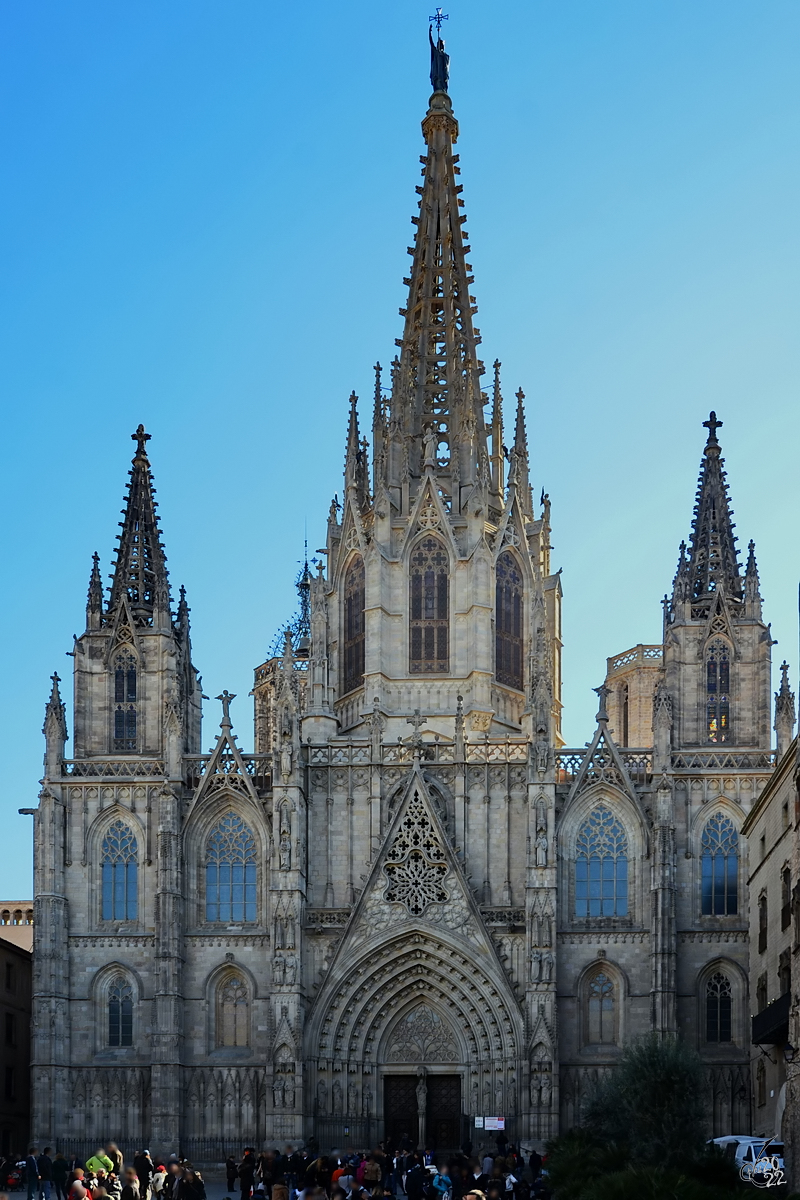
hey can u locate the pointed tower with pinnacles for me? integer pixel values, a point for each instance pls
(411, 912)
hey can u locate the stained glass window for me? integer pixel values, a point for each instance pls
(120, 1013)
(119, 862)
(718, 1008)
(508, 621)
(601, 867)
(429, 626)
(601, 1024)
(354, 637)
(720, 866)
(231, 872)
(718, 685)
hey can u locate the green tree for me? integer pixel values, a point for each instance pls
(653, 1102)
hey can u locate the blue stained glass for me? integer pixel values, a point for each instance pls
(119, 865)
(231, 872)
(601, 867)
(720, 867)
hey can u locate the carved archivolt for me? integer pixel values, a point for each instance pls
(354, 1021)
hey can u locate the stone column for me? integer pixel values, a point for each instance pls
(167, 1040)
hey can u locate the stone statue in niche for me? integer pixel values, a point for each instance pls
(352, 1098)
(541, 850)
(549, 963)
(536, 966)
(322, 1098)
(288, 1092)
(547, 1090)
(285, 851)
(290, 974)
(338, 1097)
(277, 1092)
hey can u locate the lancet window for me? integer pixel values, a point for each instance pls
(718, 1008)
(125, 698)
(120, 873)
(720, 867)
(231, 872)
(429, 626)
(718, 686)
(601, 867)
(354, 636)
(120, 1012)
(600, 1009)
(232, 1012)
(508, 622)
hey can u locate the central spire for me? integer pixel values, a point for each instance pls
(713, 564)
(140, 572)
(437, 403)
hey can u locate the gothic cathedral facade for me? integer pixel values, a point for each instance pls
(411, 905)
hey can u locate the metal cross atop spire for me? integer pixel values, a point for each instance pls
(437, 19)
(141, 438)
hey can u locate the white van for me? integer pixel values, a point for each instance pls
(746, 1151)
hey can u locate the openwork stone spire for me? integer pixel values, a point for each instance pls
(712, 564)
(140, 571)
(437, 404)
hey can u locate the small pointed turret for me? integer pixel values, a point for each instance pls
(713, 564)
(140, 571)
(94, 604)
(784, 712)
(182, 616)
(498, 449)
(55, 731)
(519, 475)
(752, 593)
(355, 464)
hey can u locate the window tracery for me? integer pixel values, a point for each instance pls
(233, 1013)
(354, 629)
(429, 602)
(120, 873)
(600, 1009)
(601, 866)
(415, 865)
(719, 1002)
(125, 703)
(718, 683)
(231, 872)
(509, 609)
(720, 866)
(120, 1012)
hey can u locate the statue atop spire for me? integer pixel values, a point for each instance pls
(440, 59)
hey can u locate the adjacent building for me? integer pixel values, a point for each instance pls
(409, 905)
(16, 947)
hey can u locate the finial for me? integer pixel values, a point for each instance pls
(603, 692)
(712, 425)
(437, 19)
(226, 698)
(141, 438)
(416, 738)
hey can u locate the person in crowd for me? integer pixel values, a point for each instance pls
(32, 1173)
(131, 1189)
(231, 1172)
(45, 1165)
(442, 1183)
(60, 1173)
(113, 1185)
(144, 1168)
(172, 1182)
(193, 1187)
(159, 1175)
(115, 1154)
(416, 1179)
(99, 1162)
(247, 1171)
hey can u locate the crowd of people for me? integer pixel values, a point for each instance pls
(103, 1176)
(384, 1173)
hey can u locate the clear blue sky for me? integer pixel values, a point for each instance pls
(204, 220)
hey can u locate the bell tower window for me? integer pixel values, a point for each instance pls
(354, 637)
(125, 697)
(508, 622)
(718, 686)
(429, 624)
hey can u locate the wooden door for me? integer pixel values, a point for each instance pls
(443, 1112)
(400, 1108)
